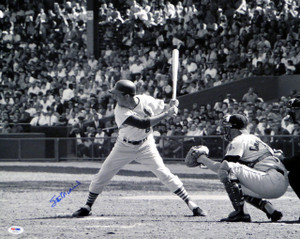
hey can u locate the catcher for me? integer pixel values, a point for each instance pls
(249, 170)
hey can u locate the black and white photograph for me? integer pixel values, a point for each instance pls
(150, 119)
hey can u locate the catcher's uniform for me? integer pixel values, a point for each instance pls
(135, 144)
(259, 172)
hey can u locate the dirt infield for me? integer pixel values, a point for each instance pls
(134, 205)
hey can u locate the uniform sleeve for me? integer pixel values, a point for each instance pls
(155, 106)
(235, 148)
(138, 122)
(121, 114)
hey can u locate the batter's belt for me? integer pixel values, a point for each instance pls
(135, 142)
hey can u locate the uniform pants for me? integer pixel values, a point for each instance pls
(255, 183)
(124, 153)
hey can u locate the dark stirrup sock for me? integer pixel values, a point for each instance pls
(91, 199)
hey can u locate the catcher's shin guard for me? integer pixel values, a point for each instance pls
(265, 206)
(257, 202)
(235, 195)
(232, 187)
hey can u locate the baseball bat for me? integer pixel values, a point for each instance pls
(175, 65)
(108, 128)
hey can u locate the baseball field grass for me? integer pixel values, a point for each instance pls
(38, 198)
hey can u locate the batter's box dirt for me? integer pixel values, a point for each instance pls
(143, 209)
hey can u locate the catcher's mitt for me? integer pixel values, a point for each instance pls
(194, 153)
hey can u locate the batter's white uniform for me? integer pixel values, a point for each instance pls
(265, 176)
(135, 144)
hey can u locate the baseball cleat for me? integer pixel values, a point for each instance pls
(82, 212)
(198, 212)
(275, 216)
(237, 217)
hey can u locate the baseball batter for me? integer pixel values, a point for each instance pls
(135, 115)
(249, 171)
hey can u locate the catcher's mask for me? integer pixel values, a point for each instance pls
(294, 108)
(235, 121)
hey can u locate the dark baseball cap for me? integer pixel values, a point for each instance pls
(124, 87)
(237, 121)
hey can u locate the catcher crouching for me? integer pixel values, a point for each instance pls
(250, 170)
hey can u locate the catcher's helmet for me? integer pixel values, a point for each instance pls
(124, 87)
(235, 121)
(238, 121)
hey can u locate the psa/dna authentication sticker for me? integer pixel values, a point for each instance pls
(15, 230)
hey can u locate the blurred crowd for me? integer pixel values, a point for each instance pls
(48, 78)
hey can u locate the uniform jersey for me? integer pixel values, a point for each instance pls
(147, 106)
(253, 152)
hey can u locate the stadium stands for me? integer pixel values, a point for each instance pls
(45, 66)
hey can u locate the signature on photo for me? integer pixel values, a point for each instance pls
(62, 195)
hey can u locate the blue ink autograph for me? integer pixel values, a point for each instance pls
(62, 195)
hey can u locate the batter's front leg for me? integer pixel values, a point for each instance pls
(113, 163)
(175, 185)
(155, 163)
(111, 166)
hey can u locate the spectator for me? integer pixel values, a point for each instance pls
(296, 130)
(67, 94)
(191, 66)
(202, 130)
(192, 131)
(72, 119)
(96, 122)
(253, 127)
(15, 127)
(48, 118)
(287, 123)
(24, 116)
(5, 127)
(225, 108)
(250, 96)
(57, 105)
(34, 89)
(51, 39)
(44, 101)
(229, 100)
(259, 69)
(62, 120)
(99, 147)
(79, 136)
(290, 67)
(211, 70)
(263, 126)
(279, 68)
(89, 142)
(38, 116)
